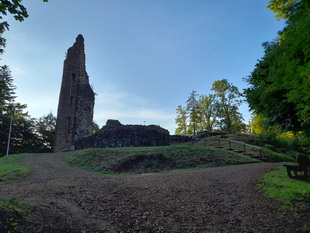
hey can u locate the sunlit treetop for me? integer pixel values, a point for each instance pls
(285, 8)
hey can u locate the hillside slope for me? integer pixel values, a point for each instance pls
(220, 199)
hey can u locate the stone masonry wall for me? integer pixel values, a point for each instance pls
(114, 134)
(76, 100)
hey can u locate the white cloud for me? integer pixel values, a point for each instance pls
(39, 103)
(116, 98)
(142, 114)
(131, 109)
(152, 114)
(18, 71)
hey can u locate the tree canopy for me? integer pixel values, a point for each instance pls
(280, 83)
(15, 8)
(216, 111)
(283, 8)
(28, 134)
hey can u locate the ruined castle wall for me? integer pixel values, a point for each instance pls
(114, 134)
(76, 100)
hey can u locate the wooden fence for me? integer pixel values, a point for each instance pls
(244, 146)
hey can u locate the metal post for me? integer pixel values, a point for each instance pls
(10, 130)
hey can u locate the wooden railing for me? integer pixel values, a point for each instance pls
(230, 142)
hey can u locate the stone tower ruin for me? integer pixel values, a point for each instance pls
(76, 100)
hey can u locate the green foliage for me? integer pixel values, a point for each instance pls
(228, 100)
(293, 194)
(274, 149)
(15, 8)
(206, 104)
(95, 127)
(193, 113)
(256, 125)
(181, 121)
(151, 159)
(44, 130)
(7, 90)
(304, 142)
(28, 134)
(280, 82)
(272, 156)
(13, 213)
(11, 167)
(280, 149)
(8, 107)
(283, 8)
(209, 112)
(11, 204)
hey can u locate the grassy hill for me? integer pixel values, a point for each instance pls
(272, 150)
(11, 167)
(292, 194)
(131, 160)
(198, 154)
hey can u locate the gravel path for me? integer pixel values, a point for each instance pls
(213, 200)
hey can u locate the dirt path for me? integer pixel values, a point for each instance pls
(212, 200)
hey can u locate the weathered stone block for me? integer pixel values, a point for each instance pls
(114, 134)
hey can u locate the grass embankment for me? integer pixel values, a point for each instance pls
(293, 194)
(275, 150)
(133, 160)
(12, 168)
(12, 212)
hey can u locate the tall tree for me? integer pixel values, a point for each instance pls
(193, 110)
(23, 137)
(280, 83)
(45, 131)
(228, 101)
(206, 104)
(7, 104)
(181, 121)
(8, 107)
(256, 125)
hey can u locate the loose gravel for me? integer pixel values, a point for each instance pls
(213, 200)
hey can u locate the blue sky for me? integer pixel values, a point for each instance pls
(143, 57)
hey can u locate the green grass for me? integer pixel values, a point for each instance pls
(12, 168)
(13, 213)
(293, 194)
(152, 159)
(273, 150)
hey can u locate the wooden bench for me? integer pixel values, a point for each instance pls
(300, 171)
